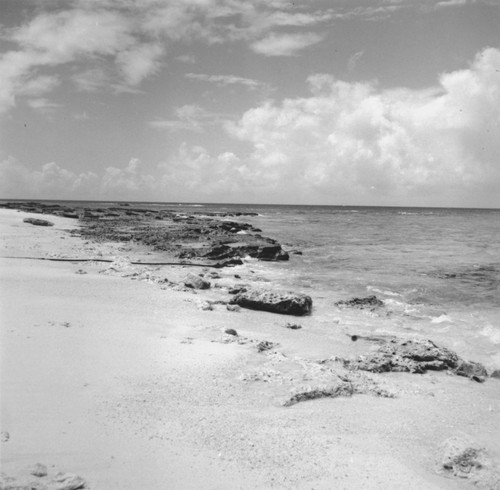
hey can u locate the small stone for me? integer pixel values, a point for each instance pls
(231, 331)
(293, 326)
(495, 374)
(39, 470)
(5, 436)
(233, 308)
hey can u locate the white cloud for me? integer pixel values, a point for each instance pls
(128, 182)
(409, 146)
(225, 80)
(189, 117)
(19, 181)
(285, 44)
(43, 104)
(140, 62)
(116, 45)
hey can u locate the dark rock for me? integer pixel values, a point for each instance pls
(70, 215)
(265, 345)
(286, 303)
(38, 222)
(415, 356)
(231, 331)
(293, 326)
(196, 282)
(368, 302)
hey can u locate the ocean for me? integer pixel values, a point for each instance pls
(437, 270)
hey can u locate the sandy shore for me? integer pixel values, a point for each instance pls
(113, 372)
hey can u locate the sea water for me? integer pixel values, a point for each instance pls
(436, 270)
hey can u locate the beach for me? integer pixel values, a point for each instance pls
(119, 373)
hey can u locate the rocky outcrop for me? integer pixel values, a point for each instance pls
(416, 356)
(38, 222)
(286, 303)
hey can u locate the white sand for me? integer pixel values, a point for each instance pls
(128, 384)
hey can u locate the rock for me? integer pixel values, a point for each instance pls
(461, 457)
(196, 282)
(66, 481)
(231, 331)
(415, 356)
(495, 374)
(5, 436)
(368, 302)
(472, 370)
(38, 469)
(38, 222)
(343, 388)
(286, 303)
(232, 308)
(265, 345)
(293, 326)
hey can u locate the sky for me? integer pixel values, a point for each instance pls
(335, 102)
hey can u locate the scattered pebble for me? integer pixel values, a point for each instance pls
(231, 331)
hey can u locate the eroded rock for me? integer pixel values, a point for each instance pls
(415, 356)
(283, 302)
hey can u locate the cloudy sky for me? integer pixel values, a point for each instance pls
(361, 102)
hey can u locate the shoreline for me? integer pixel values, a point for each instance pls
(145, 369)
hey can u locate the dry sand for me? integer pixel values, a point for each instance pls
(130, 383)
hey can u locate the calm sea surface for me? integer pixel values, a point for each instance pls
(437, 270)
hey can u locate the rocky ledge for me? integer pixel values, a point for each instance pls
(209, 237)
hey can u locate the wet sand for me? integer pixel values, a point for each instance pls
(123, 376)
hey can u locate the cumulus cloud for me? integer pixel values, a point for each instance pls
(128, 183)
(19, 181)
(355, 143)
(285, 44)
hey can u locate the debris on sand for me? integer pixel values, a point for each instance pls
(461, 457)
